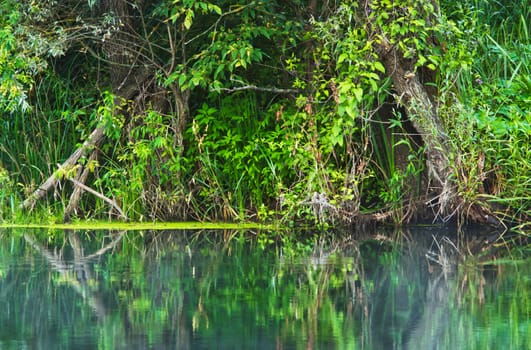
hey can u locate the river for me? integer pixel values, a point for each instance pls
(208, 289)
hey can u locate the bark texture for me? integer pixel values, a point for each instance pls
(422, 113)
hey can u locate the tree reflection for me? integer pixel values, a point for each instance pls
(77, 273)
(228, 289)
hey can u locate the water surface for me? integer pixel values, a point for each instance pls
(249, 290)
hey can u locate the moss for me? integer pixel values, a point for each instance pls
(131, 226)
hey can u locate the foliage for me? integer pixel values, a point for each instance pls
(485, 100)
(7, 200)
(142, 170)
(402, 178)
(24, 51)
(264, 109)
(242, 149)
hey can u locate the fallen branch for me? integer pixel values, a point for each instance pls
(99, 195)
(93, 141)
(75, 197)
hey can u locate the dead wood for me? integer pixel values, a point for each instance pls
(99, 195)
(75, 197)
(92, 142)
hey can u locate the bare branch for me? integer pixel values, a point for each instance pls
(258, 88)
(99, 195)
(93, 141)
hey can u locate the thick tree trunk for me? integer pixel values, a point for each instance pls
(122, 49)
(421, 111)
(412, 94)
(418, 101)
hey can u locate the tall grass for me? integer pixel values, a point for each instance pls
(33, 142)
(489, 117)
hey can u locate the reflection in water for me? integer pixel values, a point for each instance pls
(76, 273)
(183, 290)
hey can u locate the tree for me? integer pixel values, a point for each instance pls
(154, 56)
(405, 33)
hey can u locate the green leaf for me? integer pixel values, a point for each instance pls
(343, 57)
(379, 67)
(188, 19)
(358, 93)
(159, 142)
(215, 8)
(182, 79)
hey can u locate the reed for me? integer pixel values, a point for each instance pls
(34, 141)
(485, 103)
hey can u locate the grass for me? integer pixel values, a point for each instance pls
(485, 103)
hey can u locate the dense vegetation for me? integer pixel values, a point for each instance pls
(328, 110)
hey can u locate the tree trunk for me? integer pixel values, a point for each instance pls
(416, 100)
(412, 94)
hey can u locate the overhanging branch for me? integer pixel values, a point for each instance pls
(258, 88)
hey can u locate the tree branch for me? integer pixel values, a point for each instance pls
(99, 195)
(93, 141)
(75, 197)
(258, 88)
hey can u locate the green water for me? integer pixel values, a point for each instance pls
(251, 290)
